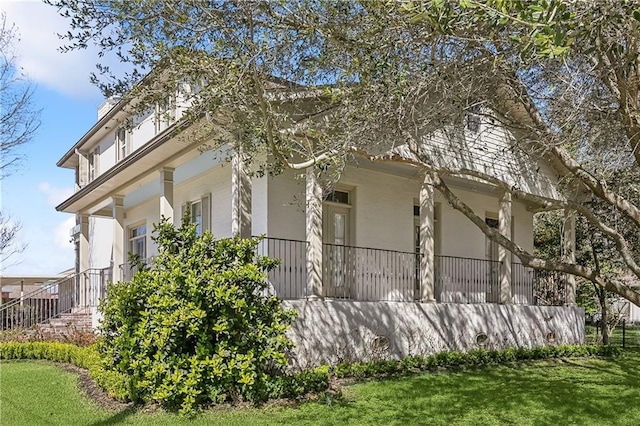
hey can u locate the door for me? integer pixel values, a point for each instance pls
(337, 253)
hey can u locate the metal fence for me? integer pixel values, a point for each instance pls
(289, 279)
(463, 280)
(76, 291)
(369, 274)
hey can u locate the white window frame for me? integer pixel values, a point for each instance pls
(473, 119)
(165, 114)
(122, 140)
(205, 213)
(132, 239)
(93, 159)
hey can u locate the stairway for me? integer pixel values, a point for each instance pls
(67, 323)
(60, 307)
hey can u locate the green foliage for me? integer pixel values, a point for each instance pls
(86, 357)
(472, 358)
(196, 327)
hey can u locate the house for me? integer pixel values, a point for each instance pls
(378, 262)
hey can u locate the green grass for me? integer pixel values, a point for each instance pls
(632, 336)
(576, 391)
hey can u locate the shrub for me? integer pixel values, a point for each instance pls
(196, 326)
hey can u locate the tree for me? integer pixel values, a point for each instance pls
(197, 326)
(19, 121)
(372, 76)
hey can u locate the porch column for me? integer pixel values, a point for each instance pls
(569, 249)
(83, 260)
(504, 255)
(118, 236)
(314, 235)
(241, 196)
(427, 238)
(166, 193)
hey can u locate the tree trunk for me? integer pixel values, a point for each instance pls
(604, 318)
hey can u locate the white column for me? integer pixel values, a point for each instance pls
(569, 248)
(504, 255)
(166, 194)
(82, 298)
(241, 196)
(427, 241)
(118, 255)
(314, 235)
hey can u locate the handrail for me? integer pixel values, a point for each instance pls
(36, 292)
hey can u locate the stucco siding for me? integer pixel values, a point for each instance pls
(331, 331)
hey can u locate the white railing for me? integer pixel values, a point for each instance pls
(75, 291)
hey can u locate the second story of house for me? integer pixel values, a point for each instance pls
(118, 134)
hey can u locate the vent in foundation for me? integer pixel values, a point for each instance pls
(482, 339)
(380, 343)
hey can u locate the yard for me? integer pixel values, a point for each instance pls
(574, 391)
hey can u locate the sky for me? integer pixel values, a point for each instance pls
(69, 106)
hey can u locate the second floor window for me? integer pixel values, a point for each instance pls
(165, 114)
(94, 159)
(122, 143)
(473, 119)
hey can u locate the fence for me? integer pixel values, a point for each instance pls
(368, 274)
(289, 278)
(51, 300)
(463, 280)
(623, 335)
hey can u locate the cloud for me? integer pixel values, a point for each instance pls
(55, 195)
(38, 50)
(47, 252)
(61, 234)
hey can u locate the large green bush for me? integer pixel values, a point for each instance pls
(196, 326)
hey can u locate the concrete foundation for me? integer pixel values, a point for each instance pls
(331, 331)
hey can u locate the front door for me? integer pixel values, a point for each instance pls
(337, 253)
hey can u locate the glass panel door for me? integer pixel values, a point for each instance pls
(336, 251)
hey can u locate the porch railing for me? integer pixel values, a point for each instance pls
(128, 269)
(369, 274)
(75, 291)
(464, 280)
(289, 279)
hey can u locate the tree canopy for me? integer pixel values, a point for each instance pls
(315, 81)
(19, 120)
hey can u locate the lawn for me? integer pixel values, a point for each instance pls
(576, 391)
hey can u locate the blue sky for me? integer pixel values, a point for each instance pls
(69, 107)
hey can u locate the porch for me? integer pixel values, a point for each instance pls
(369, 274)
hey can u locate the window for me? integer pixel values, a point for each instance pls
(122, 143)
(199, 213)
(138, 241)
(165, 113)
(341, 197)
(473, 119)
(94, 159)
(196, 216)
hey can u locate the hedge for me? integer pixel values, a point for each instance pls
(310, 381)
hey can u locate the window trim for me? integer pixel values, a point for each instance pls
(205, 212)
(122, 143)
(131, 239)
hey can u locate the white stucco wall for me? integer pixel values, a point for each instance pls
(331, 331)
